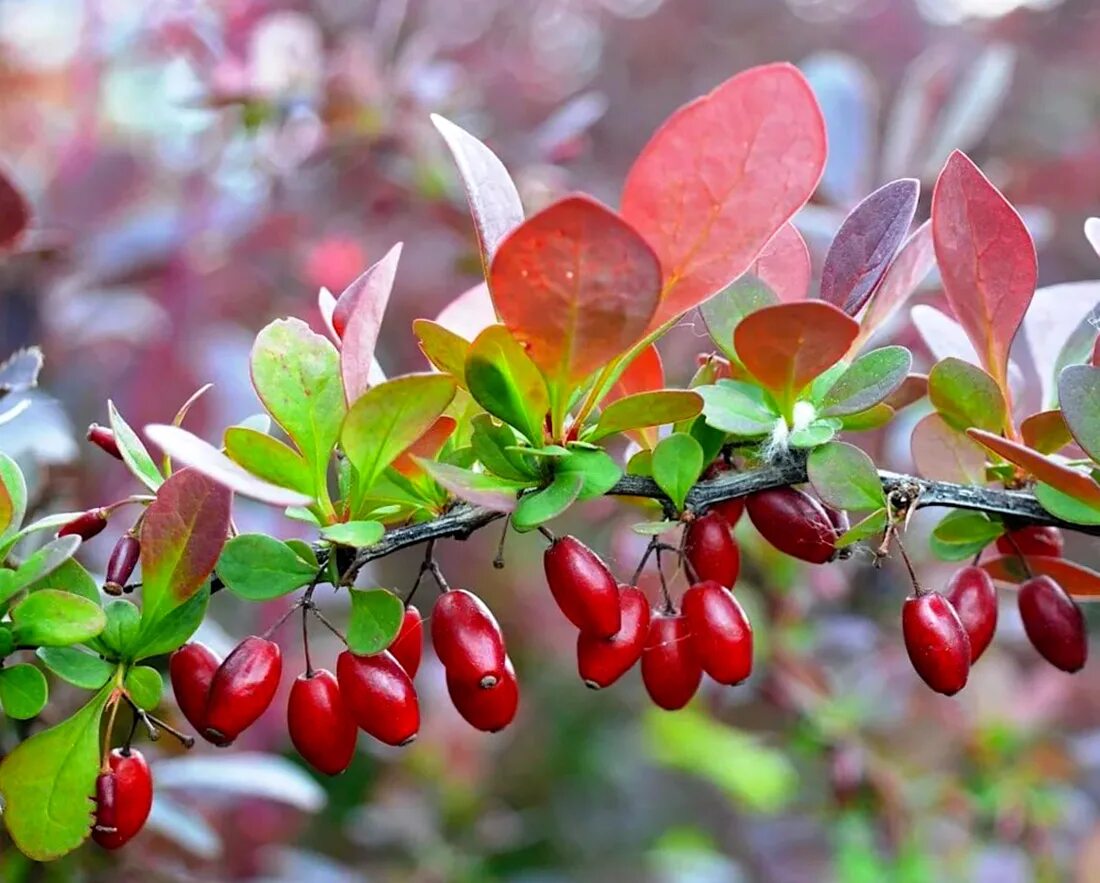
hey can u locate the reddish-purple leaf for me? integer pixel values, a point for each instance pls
(644, 374)
(1058, 476)
(576, 285)
(788, 345)
(1075, 578)
(866, 243)
(913, 388)
(986, 258)
(357, 318)
(721, 176)
(14, 213)
(945, 454)
(784, 264)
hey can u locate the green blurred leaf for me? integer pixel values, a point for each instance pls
(38, 565)
(655, 528)
(505, 382)
(69, 576)
(269, 459)
(966, 396)
(76, 666)
(1062, 505)
(376, 616)
(869, 380)
(677, 464)
(354, 533)
(655, 408)
(550, 502)
(737, 408)
(845, 477)
(133, 450)
(962, 534)
(23, 691)
(259, 568)
(52, 618)
(145, 686)
(874, 417)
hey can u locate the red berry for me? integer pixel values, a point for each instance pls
(124, 797)
(838, 518)
(602, 661)
(1054, 623)
(730, 510)
(936, 641)
(467, 639)
(1035, 540)
(487, 710)
(794, 522)
(242, 689)
(972, 594)
(408, 646)
(120, 566)
(191, 669)
(104, 439)
(711, 551)
(670, 668)
(720, 632)
(380, 696)
(583, 587)
(319, 723)
(86, 525)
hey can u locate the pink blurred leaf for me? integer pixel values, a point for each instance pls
(644, 374)
(14, 213)
(944, 337)
(1055, 313)
(913, 263)
(470, 313)
(357, 318)
(945, 454)
(1092, 233)
(784, 264)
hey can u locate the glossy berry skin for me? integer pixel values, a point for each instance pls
(380, 696)
(974, 597)
(711, 551)
(1054, 623)
(670, 668)
(583, 587)
(794, 522)
(467, 639)
(721, 635)
(319, 723)
(191, 669)
(86, 525)
(120, 566)
(602, 661)
(242, 689)
(730, 510)
(104, 439)
(408, 646)
(487, 710)
(124, 797)
(938, 645)
(1034, 540)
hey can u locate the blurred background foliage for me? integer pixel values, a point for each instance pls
(199, 167)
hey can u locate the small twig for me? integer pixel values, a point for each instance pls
(115, 701)
(546, 532)
(917, 587)
(320, 616)
(498, 562)
(669, 606)
(305, 640)
(282, 619)
(649, 550)
(1023, 558)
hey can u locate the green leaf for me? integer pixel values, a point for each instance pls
(550, 502)
(269, 459)
(354, 533)
(872, 524)
(165, 635)
(49, 522)
(70, 576)
(845, 477)
(597, 469)
(656, 408)
(7, 643)
(723, 312)
(145, 686)
(1062, 505)
(498, 494)
(737, 408)
(873, 418)
(1079, 394)
(389, 418)
(817, 433)
(376, 616)
(442, 347)
(14, 492)
(37, 565)
(710, 439)
(492, 445)
(677, 463)
(76, 666)
(965, 396)
(304, 550)
(641, 464)
(23, 691)
(123, 628)
(505, 382)
(655, 528)
(869, 380)
(134, 453)
(48, 781)
(962, 534)
(259, 567)
(51, 618)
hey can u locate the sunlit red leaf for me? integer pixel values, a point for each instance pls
(357, 318)
(644, 374)
(721, 176)
(986, 258)
(576, 285)
(470, 313)
(1074, 578)
(1046, 432)
(788, 345)
(14, 213)
(913, 262)
(866, 243)
(1068, 481)
(784, 264)
(427, 446)
(945, 454)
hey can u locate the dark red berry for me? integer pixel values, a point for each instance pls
(380, 696)
(602, 661)
(670, 668)
(123, 797)
(937, 643)
(104, 439)
(794, 522)
(191, 669)
(319, 723)
(583, 587)
(242, 689)
(972, 594)
(730, 510)
(408, 646)
(1054, 623)
(467, 639)
(720, 632)
(711, 551)
(838, 518)
(120, 566)
(487, 710)
(1035, 540)
(86, 525)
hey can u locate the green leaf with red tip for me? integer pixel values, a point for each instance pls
(676, 466)
(259, 567)
(444, 349)
(1079, 397)
(867, 381)
(375, 620)
(133, 451)
(721, 176)
(966, 396)
(505, 382)
(1078, 580)
(845, 477)
(1046, 432)
(268, 458)
(1062, 478)
(657, 408)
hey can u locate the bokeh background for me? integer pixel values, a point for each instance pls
(198, 168)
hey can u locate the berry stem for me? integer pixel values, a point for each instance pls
(312, 608)
(669, 607)
(649, 550)
(498, 562)
(305, 640)
(105, 765)
(545, 531)
(917, 587)
(1019, 554)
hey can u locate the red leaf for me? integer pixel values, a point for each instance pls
(576, 285)
(986, 259)
(1074, 578)
(788, 345)
(1063, 478)
(784, 264)
(721, 176)
(357, 318)
(645, 374)
(427, 446)
(866, 243)
(941, 453)
(913, 388)
(912, 264)
(14, 213)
